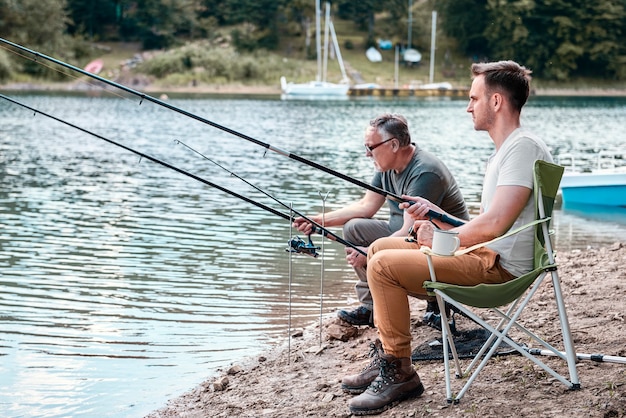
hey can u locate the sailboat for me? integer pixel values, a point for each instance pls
(321, 87)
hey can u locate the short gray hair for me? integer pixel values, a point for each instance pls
(394, 125)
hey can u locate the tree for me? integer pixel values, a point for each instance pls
(558, 38)
(94, 18)
(466, 21)
(39, 25)
(158, 23)
(35, 23)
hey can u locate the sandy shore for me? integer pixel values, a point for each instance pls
(303, 379)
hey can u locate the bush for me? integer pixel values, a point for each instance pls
(207, 63)
(6, 68)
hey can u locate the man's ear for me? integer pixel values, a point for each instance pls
(497, 101)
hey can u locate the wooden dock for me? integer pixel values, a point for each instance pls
(409, 92)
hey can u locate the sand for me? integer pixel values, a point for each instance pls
(303, 378)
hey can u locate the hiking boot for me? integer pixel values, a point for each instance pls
(434, 320)
(357, 383)
(432, 316)
(396, 382)
(432, 306)
(358, 316)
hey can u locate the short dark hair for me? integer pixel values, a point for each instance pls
(506, 77)
(394, 125)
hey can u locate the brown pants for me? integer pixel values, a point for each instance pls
(396, 269)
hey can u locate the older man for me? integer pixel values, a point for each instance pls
(401, 168)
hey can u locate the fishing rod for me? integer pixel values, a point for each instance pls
(295, 245)
(431, 213)
(317, 228)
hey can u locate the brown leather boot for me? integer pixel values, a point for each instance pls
(396, 382)
(357, 383)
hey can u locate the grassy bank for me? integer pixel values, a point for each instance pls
(215, 67)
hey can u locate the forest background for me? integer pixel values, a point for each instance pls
(569, 43)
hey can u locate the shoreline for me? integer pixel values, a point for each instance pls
(303, 377)
(269, 90)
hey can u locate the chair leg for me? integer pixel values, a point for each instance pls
(446, 336)
(448, 345)
(568, 344)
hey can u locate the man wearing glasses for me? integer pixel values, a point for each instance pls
(402, 168)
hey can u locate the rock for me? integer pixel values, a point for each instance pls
(220, 384)
(234, 370)
(342, 333)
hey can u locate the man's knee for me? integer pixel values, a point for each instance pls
(364, 231)
(350, 230)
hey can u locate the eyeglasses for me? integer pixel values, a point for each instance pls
(371, 148)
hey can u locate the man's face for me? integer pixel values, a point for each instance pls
(382, 151)
(480, 106)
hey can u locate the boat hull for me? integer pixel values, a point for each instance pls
(314, 88)
(606, 189)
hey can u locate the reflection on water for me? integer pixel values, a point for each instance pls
(579, 226)
(125, 283)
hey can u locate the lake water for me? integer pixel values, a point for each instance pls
(125, 283)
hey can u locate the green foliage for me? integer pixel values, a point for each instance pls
(466, 21)
(6, 67)
(202, 62)
(557, 39)
(41, 26)
(95, 19)
(34, 22)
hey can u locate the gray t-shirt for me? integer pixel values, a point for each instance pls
(425, 176)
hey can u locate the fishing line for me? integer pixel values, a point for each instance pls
(432, 214)
(319, 229)
(295, 245)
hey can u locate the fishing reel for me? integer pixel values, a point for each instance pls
(298, 245)
(411, 236)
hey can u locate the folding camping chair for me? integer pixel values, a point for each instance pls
(515, 294)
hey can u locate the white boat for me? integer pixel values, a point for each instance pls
(373, 54)
(444, 85)
(320, 87)
(313, 88)
(602, 184)
(412, 56)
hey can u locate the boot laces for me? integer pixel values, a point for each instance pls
(387, 375)
(374, 354)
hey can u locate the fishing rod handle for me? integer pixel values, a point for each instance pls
(431, 213)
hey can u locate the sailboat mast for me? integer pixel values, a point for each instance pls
(326, 29)
(333, 35)
(433, 36)
(410, 24)
(318, 40)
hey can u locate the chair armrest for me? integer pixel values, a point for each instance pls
(429, 251)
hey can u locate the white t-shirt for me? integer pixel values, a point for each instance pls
(513, 165)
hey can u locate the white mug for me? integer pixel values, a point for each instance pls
(445, 242)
